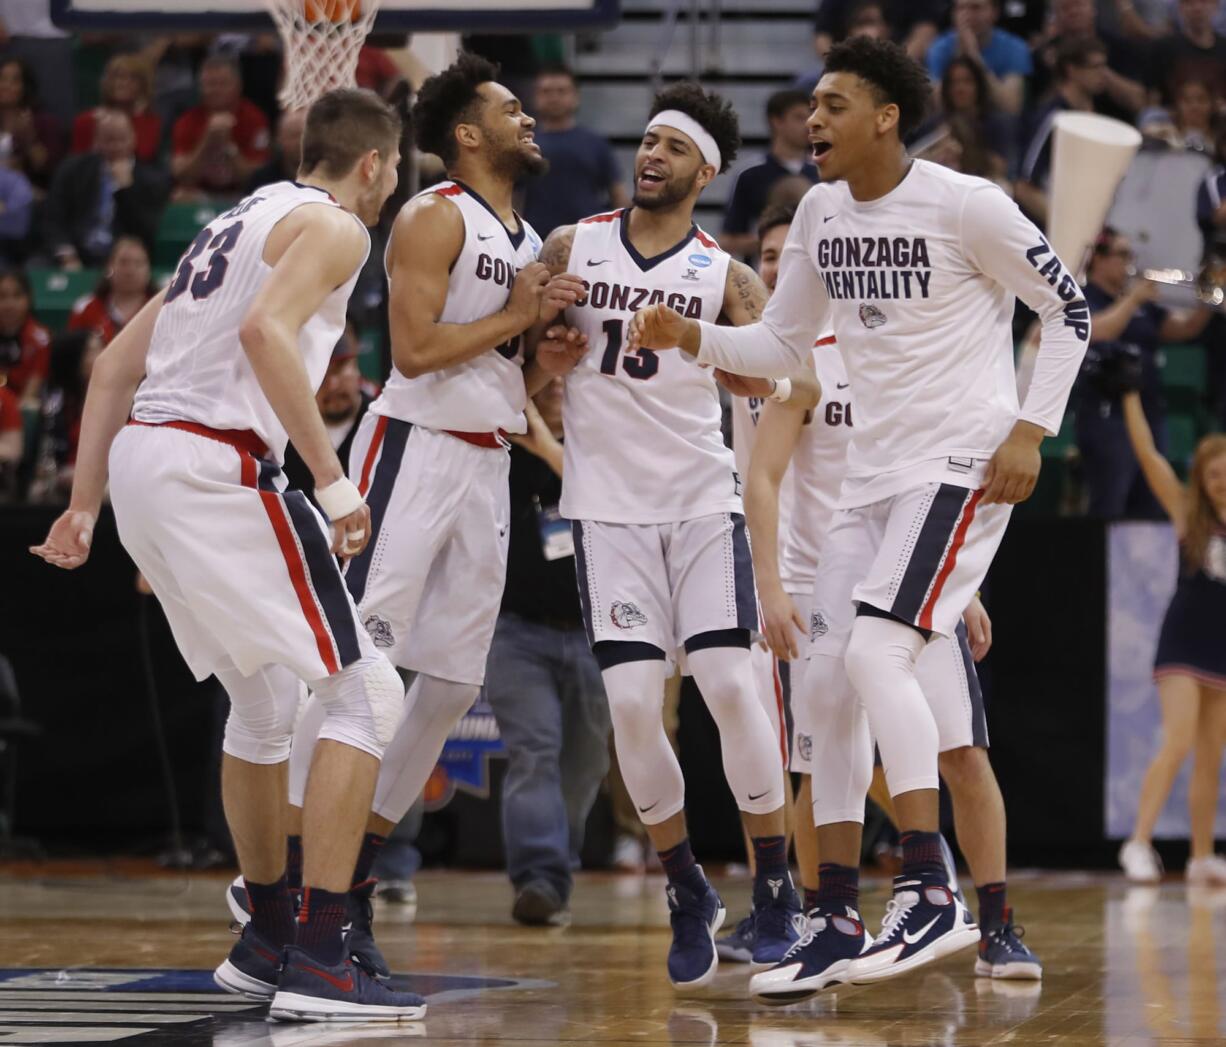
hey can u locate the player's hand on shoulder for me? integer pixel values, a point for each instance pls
(528, 293)
(978, 629)
(782, 624)
(68, 542)
(1014, 469)
(742, 385)
(560, 349)
(656, 327)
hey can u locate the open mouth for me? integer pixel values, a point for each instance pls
(820, 150)
(649, 177)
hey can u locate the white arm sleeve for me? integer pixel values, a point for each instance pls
(1005, 245)
(781, 343)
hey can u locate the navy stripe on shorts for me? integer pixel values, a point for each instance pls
(391, 454)
(585, 596)
(928, 552)
(742, 573)
(979, 715)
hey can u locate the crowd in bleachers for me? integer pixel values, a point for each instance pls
(98, 200)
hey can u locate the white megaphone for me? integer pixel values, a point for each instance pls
(1090, 154)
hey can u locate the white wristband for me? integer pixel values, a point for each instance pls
(339, 498)
(783, 391)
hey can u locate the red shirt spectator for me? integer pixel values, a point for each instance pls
(376, 71)
(119, 295)
(217, 144)
(127, 84)
(10, 411)
(25, 344)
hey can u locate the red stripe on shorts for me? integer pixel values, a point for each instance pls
(951, 558)
(372, 453)
(293, 561)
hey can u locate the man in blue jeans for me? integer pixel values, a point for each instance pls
(543, 683)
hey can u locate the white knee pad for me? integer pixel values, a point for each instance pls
(263, 707)
(364, 702)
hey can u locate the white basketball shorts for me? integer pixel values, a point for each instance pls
(429, 584)
(241, 566)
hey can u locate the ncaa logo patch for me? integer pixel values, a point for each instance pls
(380, 631)
(626, 615)
(699, 260)
(818, 626)
(871, 316)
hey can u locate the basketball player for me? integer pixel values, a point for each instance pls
(431, 454)
(916, 267)
(662, 552)
(814, 444)
(227, 360)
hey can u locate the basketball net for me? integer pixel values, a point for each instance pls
(322, 39)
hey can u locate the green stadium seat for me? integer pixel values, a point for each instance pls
(56, 291)
(1183, 376)
(180, 224)
(1182, 434)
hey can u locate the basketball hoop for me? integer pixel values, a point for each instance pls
(322, 39)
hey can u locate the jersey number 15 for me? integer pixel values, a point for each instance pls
(642, 364)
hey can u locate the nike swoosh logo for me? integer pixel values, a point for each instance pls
(752, 797)
(841, 385)
(828, 217)
(912, 939)
(488, 237)
(344, 984)
(601, 262)
(644, 810)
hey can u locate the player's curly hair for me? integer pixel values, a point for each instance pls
(447, 99)
(715, 115)
(895, 76)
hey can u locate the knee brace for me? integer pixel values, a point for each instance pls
(263, 707)
(364, 702)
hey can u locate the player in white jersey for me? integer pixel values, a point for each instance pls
(431, 454)
(916, 267)
(227, 360)
(662, 553)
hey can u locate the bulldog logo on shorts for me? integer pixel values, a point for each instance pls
(871, 316)
(380, 631)
(817, 625)
(804, 745)
(626, 615)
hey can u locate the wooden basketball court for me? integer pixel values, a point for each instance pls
(103, 957)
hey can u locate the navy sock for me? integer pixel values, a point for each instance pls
(811, 899)
(770, 855)
(319, 925)
(272, 911)
(837, 885)
(921, 855)
(992, 908)
(293, 862)
(680, 867)
(372, 844)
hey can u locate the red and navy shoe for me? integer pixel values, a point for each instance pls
(924, 922)
(821, 958)
(694, 917)
(251, 969)
(359, 935)
(1003, 954)
(310, 991)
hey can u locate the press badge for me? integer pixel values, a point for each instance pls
(557, 539)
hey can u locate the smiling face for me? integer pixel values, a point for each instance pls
(668, 168)
(846, 124)
(506, 134)
(769, 252)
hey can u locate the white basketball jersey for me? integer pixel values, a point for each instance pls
(746, 413)
(818, 467)
(643, 442)
(196, 369)
(487, 392)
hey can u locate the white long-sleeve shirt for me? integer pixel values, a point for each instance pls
(919, 287)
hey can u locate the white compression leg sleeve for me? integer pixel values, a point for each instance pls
(306, 734)
(434, 707)
(362, 704)
(843, 747)
(753, 759)
(880, 660)
(262, 710)
(648, 764)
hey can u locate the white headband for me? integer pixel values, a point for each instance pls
(690, 127)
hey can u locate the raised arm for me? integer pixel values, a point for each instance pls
(427, 238)
(1154, 466)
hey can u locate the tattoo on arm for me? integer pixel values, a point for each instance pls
(745, 296)
(555, 252)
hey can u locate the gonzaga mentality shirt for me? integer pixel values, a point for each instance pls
(919, 287)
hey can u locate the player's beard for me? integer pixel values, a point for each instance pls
(673, 193)
(515, 163)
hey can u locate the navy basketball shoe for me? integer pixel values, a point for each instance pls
(359, 935)
(820, 958)
(310, 991)
(1003, 954)
(777, 919)
(924, 921)
(236, 899)
(694, 917)
(737, 945)
(252, 967)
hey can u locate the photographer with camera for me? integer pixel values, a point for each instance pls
(1128, 331)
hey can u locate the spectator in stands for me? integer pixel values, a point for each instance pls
(1124, 92)
(1004, 58)
(790, 154)
(1193, 116)
(25, 344)
(12, 442)
(286, 152)
(863, 18)
(1128, 329)
(27, 32)
(543, 682)
(35, 138)
(73, 355)
(127, 86)
(1211, 202)
(377, 71)
(16, 209)
(912, 23)
(583, 176)
(1194, 51)
(218, 143)
(967, 134)
(1081, 70)
(124, 288)
(102, 195)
